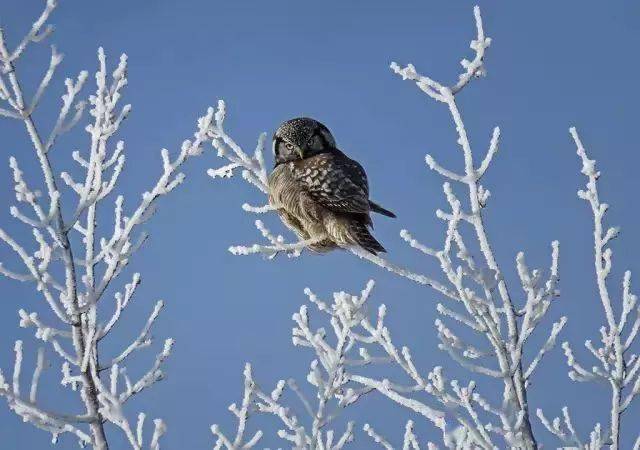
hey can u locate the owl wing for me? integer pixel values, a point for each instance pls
(335, 181)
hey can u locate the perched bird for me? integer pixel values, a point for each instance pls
(319, 192)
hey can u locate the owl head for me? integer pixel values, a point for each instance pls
(301, 138)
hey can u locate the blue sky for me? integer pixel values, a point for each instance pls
(551, 65)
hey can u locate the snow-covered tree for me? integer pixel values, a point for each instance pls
(480, 302)
(84, 235)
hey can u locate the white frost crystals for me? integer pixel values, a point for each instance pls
(79, 252)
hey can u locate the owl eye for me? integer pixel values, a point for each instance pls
(311, 141)
(288, 145)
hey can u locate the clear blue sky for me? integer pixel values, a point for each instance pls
(552, 65)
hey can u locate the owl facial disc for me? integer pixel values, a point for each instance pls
(301, 138)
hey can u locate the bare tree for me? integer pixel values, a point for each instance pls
(479, 300)
(74, 260)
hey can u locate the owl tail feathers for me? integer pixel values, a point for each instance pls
(380, 210)
(363, 238)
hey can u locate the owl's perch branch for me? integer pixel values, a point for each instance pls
(277, 244)
(403, 272)
(293, 250)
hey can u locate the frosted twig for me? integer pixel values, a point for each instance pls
(548, 345)
(567, 435)
(377, 438)
(615, 369)
(242, 415)
(143, 339)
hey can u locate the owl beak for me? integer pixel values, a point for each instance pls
(301, 152)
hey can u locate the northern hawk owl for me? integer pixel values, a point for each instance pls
(319, 192)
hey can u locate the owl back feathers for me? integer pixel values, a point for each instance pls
(326, 194)
(346, 230)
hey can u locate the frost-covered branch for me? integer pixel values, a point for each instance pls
(486, 303)
(75, 258)
(617, 365)
(410, 441)
(356, 342)
(326, 375)
(375, 346)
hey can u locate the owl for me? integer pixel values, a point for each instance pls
(319, 192)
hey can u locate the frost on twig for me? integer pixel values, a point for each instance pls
(410, 440)
(567, 434)
(617, 364)
(78, 252)
(326, 376)
(300, 436)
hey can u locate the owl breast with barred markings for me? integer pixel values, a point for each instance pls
(319, 192)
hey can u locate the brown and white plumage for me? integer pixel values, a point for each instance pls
(319, 192)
